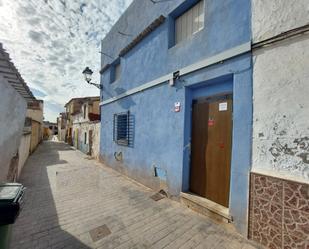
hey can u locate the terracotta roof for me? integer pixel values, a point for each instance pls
(84, 99)
(11, 74)
(104, 68)
(156, 23)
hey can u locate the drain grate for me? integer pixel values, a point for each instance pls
(157, 197)
(99, 233)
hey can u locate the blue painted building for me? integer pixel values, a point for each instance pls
(157, 61)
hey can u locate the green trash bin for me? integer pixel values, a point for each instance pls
(5, 236)
(11, 199)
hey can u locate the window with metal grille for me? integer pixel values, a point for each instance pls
(190, 22)
(123, 129)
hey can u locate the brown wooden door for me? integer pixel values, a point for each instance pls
(211, 148)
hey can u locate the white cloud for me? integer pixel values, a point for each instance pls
(52, 41)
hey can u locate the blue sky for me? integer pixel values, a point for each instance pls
(52, 41)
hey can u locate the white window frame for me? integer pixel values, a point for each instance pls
(185, 24)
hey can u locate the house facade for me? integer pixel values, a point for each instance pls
(86, 126)
(15, 136)
(177, 96)
(61, 124)
(35, 115)
(72, 108)
(279, 206)
(50, 129)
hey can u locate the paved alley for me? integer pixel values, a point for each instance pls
(74, 202)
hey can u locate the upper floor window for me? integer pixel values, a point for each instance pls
(115, 72)
(189, 22)
(85, 111)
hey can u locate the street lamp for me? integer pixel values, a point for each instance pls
(88, 74)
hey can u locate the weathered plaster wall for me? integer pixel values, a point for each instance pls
(61, 134)
(12, 118)
(36, 115)
(96, 127)
(280, 80)
(36, 135)
(24, 149)
(281, 109)
(270, 18)
(78, 142)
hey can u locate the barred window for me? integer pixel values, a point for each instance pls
(123, 129)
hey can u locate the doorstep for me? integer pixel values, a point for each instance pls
(206, 207)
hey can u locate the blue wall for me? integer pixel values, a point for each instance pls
(161, 136)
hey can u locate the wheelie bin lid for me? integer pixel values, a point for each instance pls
(9, 192)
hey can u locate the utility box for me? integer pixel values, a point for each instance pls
(11, 199)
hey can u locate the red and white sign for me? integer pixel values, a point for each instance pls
(177, 107)
(211, 122)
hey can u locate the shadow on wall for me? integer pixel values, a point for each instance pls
(38, 223)
(124, 103)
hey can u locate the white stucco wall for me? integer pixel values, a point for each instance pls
(281, 109)
(272, 17)
(12, 118)
(23, 150)
(280, 91)
(36, 115)
(96, 140)
(83, 128)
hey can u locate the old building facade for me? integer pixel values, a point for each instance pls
(61, 124)
(179, 94)
(35, 115)
(15, 136)
(72, 108)
(279, 206)
(86, 126)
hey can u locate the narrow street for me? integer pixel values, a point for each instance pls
(68, 196)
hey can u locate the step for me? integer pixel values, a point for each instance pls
(206, 207)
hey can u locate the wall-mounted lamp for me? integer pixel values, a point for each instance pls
(176, 76)
(88, 75)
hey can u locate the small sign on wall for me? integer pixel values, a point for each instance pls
(223, 106)
(177, 107)
(211, 122)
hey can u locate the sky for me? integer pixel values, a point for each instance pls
(52, 41)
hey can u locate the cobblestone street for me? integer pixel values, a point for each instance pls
(74, 202)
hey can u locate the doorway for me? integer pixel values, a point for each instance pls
(90, 142)
(211, 145)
